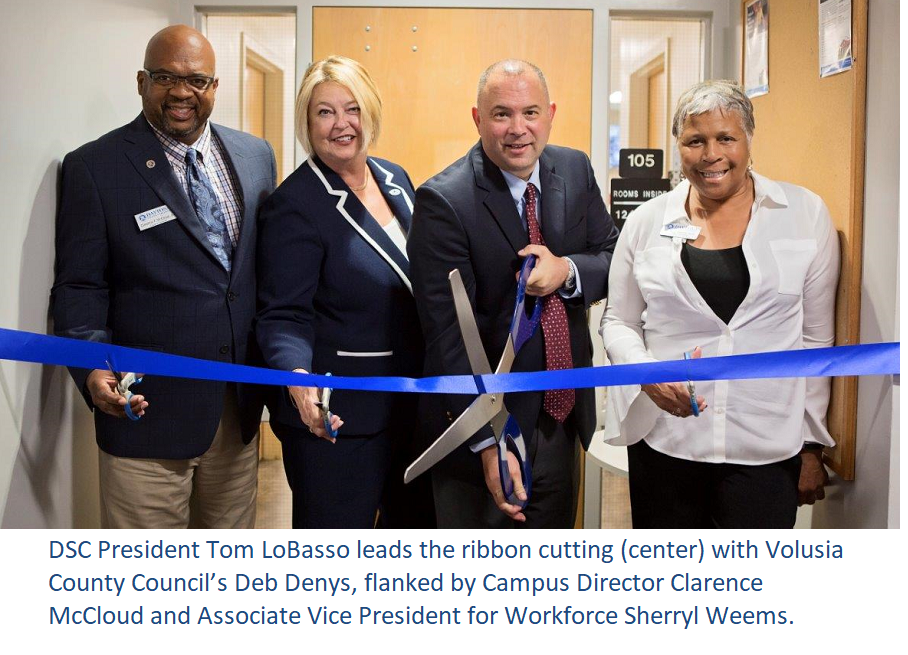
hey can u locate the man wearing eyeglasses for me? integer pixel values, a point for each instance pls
(155, 250)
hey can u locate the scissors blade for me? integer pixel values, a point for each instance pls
(117, 375)
(473, 419)
(507, 357)
(499, 421)
(325, 400)
(479, 362)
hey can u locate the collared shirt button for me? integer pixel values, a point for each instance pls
(720, 410)
(231, 296)
(224, 349)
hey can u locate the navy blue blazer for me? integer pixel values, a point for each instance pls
(334, 291)
(159, 289)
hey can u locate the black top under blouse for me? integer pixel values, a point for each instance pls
(720, 276)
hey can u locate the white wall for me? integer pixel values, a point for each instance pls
(872, 500)
(68, 71)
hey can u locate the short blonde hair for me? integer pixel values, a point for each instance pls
(355, 78)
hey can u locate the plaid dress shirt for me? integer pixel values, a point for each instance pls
(214, 161)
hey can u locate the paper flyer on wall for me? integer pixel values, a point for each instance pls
(835, 36)
(756, 48)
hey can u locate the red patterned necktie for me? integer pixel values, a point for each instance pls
(558, 402)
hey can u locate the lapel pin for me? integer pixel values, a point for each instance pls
(394, 192)
(150, 163)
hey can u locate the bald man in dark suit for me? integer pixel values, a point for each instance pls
(512, 195)
(156, 250)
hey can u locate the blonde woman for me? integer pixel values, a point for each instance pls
(334, 296)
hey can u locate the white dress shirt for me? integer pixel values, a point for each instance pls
(655, 313)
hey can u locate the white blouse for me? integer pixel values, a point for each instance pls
(394, 230)
(655, 313)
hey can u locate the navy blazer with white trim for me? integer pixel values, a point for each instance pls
(334, 291)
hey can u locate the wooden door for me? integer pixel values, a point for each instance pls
(656, 107)
(810, 131)
(254, 102)
(426, 63)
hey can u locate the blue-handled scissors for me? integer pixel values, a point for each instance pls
(692, 391)
(488, 408)
(324, 407)
(124, 381)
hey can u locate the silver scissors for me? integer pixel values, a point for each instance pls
(487, 408)
(691, 390)
(324, 408)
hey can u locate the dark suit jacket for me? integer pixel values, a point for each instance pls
(159, 289)
(335, 293)
(465, 218)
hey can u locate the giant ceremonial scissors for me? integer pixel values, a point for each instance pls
(488, 408)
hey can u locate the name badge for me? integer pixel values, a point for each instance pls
(680, 231)
(154, 217)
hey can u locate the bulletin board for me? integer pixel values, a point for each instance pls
(810, 132)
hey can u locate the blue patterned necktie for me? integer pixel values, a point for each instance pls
(206, 206)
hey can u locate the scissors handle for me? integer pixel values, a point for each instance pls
(328, 417)
(511, 439)
(523, 326)
(129, 413)
(123, 384)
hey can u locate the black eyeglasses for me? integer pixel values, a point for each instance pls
(170, 80)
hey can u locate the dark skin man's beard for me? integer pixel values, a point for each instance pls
(170, 130)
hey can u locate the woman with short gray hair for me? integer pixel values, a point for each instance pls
(729, 262)
(708, 96)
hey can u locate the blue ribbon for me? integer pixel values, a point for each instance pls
(867, 359)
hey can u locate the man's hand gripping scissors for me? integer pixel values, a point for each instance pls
(488, 408)
(124, 381)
